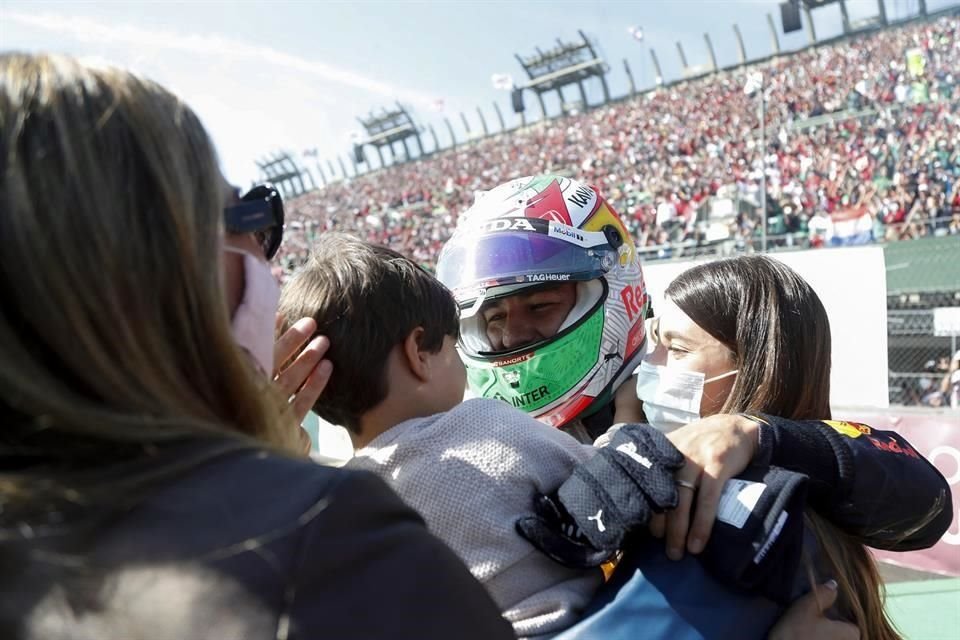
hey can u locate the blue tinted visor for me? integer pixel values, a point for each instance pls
(469, 264)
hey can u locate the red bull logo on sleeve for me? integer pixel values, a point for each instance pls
(849, 429)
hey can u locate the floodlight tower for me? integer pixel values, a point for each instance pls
(754, 86)
(285, 174)
(384, 130)
(565, 64)
(790, 15)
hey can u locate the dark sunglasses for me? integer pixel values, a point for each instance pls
(260, 212)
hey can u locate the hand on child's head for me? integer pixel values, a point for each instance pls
(300, 370)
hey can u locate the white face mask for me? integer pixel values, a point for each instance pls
(255, 318)
(671, 397)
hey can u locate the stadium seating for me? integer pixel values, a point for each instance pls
(863, 145)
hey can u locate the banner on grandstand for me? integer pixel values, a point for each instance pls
(937, 438)
(502, 81)
(851, 226)
(916, 62)
(946, 321)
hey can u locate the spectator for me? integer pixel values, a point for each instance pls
(143, 453)
(662, 156)
(950, 386)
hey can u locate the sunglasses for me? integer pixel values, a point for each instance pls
(260, 212)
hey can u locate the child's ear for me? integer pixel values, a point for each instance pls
(416, 358)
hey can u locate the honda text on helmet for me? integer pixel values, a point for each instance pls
(535, 232)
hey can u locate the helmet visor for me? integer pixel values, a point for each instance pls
(468, 265)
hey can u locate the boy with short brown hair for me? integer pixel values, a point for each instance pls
(470, 468)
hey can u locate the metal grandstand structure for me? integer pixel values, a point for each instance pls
(568, 63)
(384, 130)
(290, 178)
(809, 5)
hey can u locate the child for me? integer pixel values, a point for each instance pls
(470, 468)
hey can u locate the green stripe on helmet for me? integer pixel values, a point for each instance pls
(531, 383)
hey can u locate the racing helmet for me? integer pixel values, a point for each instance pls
(534, 231)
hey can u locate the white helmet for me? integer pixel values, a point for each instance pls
(537, 230)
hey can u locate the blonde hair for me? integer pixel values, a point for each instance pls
(114, 328)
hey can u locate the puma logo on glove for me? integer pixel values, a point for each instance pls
(608, 496)
(554, 532)
(600, 526)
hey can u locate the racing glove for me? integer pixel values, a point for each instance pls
(608, 496)
(554, 531)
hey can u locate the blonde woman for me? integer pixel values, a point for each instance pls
(148, 486)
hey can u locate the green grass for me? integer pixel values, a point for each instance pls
(926, 610)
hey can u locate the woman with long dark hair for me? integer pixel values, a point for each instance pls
(760, 333)
(744, 335)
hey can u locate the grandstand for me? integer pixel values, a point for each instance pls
(860, 147)
(863, 145)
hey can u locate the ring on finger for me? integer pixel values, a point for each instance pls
(686, 485)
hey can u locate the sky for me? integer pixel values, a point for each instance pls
(293, 76)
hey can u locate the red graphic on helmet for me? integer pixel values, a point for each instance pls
(549, 205)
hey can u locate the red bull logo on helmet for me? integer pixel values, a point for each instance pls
(634, 300)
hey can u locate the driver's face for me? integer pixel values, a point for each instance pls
(527, 317)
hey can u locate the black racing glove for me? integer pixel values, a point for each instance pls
(606, 497)
(555, 533)
(618, 489)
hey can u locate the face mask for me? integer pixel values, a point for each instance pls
(671, 398)
(255, 318)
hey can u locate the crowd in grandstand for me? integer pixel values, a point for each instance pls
(863, 143)
(938, 385)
